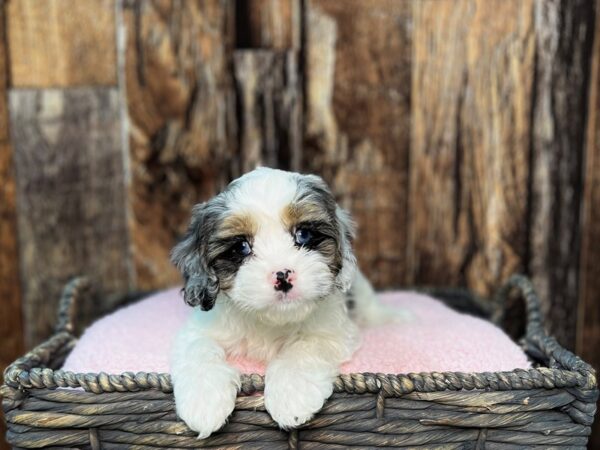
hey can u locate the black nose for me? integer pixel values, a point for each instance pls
(282, 276)
(282, 283)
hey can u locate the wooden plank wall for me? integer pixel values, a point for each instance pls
(466, 145)
(588, 318)
(357, 122)
(471, 109)
(179, 99)
(68, 153)
(11, 325)
(497, 146)
(564, 36)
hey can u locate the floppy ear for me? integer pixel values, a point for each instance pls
(347, 231)
(189, 255)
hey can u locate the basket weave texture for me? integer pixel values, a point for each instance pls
(549, 406)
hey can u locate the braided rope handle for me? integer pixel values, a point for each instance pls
(74, 293)
(537, 340)
(524, 286)
(42, 354)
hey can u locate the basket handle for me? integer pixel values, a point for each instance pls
(535, 317)
(536, 340)
(72, 294)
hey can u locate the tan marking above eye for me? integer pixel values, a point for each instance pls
(296, 213)
(238, 225)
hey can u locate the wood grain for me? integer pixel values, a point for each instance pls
(563, 43)
(472, 81)
(11, 325)
(269, 111)
(357, 126)
(272, 24)
(11, 341)
(181, 106)
(70, 198)
(62, 43)
(588, 317)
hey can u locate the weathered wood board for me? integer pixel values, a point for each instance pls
(62, 42)
(70, 198)
(11, 339)
(588, 314)
(269, 109)
(182, 121)
(564, 35)
(11, 324)
(272, 24)
(357, 122)
(472, 86)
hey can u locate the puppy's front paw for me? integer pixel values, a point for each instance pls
(292, 399)
(205, 404)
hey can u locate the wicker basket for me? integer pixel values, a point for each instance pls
(549, 406)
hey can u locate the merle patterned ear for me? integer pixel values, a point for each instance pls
(189, 255)
(347, 231)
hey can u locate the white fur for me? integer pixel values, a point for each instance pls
(274, 251)
(205, 386)
(304, 335)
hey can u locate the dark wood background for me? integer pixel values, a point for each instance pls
(464, 135)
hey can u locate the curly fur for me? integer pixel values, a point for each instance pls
(303, 334)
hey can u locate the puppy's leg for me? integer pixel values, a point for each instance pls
(300, 379)
(367, 310)
(205, 386)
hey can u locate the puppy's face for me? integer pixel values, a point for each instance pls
(274, 242)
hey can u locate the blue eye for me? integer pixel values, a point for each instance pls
(242, 248)
(303, 236)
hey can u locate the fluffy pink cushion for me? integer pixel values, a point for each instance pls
(435, 338)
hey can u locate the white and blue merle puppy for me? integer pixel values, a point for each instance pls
(269, 262)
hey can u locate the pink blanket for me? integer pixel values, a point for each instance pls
(434, 338)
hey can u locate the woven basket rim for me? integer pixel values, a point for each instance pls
(567, 369)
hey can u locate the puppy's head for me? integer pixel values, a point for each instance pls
(274, 242)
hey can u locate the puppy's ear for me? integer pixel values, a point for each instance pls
(190, 256)
(347, 231)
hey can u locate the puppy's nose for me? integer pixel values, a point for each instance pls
(283, 276)
(283, 280)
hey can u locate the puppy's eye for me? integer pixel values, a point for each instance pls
(303, 236)
(242, 248)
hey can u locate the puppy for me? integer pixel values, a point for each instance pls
(269, 262)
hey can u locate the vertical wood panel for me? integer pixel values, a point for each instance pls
(70, 197)
(471, 121)
(62, 42)
(182, 120)
(357, 69)
(11, 341)
(588, 321)
(11, 325)
(273, 24)
(269, 109)
(563, 43)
